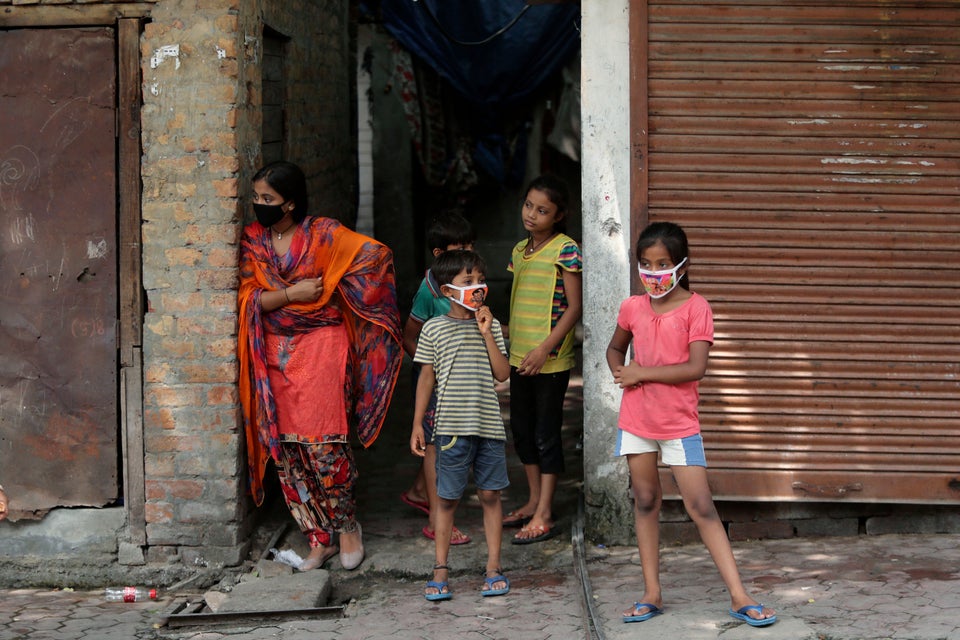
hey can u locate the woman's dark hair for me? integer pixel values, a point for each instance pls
(558, 193)
(449, 263)
(288, 180)
(674, 240)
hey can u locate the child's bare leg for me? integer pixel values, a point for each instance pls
(543, 514)
(429, 469)
(647, 497)
(493, 531)
(532, 471)
(698, 502)
(418, 490)
(492, 525)
(442, 531)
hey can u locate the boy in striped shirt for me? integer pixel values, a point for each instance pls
(463, 353)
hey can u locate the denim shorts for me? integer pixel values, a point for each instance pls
(681, 452)
(456, 455)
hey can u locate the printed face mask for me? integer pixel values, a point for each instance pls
(660, 283)
(269, 214)
(470, 297)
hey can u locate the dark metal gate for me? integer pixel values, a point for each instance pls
(58, 269)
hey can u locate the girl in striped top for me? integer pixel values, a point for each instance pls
(545, 305)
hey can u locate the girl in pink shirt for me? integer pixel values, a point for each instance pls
(669, 330)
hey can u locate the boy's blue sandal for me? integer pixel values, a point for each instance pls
(439, 586)
(741, 614)
(488, 590)
(653, 611)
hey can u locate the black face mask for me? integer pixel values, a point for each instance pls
(269, 214)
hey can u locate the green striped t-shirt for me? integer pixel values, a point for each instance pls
(538, 299)
(467, 404)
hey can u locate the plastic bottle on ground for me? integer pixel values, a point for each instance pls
(129, 594)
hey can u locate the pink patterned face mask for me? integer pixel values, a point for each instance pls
(660, 283)
(470, 297)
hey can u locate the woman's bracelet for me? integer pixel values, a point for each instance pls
(287, 295)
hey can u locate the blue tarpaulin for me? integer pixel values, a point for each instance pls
(495, 54)
(505, 69)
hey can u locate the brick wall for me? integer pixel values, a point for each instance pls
(201, 132)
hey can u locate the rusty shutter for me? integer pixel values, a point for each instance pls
(812, 152)
(58, 269)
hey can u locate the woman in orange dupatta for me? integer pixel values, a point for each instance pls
(319, 352)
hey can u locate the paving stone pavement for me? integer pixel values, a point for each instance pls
(839, 588)
(864, 588)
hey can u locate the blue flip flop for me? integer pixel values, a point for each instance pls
(441, 594)
(653, 611)
(439, 586)
(741, 614)
(490, 591)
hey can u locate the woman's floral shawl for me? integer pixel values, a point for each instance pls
(358, 275)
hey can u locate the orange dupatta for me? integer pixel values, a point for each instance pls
(359, 271)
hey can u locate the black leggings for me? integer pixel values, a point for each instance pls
(536, 418)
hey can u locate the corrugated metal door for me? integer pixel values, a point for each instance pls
(812, 152)
(58, 268)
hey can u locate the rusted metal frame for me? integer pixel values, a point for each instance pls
(639, 128)
(76, 15)
(130, 289)
(178, 619)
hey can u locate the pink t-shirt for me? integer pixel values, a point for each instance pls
(656, 410)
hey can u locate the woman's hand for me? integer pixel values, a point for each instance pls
(307, 290)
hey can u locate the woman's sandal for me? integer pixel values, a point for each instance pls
(516, 519)
(489, 581)
(439, 586)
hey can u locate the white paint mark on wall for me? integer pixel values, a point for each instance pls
(852, 161)
(864, 180)
(154, 88)
(221, 53)
(814, 121)
(96, 250)
(168, 51)
(22, 229)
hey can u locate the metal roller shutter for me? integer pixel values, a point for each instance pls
(812, 153)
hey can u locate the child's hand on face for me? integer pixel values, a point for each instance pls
(484, 320)
(627, 376)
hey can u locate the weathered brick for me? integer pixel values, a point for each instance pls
(200, 127)
(159, 465)
(158, 511)
(158, 419)
(183, 256)
(181, 395)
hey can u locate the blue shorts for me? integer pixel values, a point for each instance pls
(456, 455)
(681, 452)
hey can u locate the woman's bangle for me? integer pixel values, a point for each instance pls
(287, 295)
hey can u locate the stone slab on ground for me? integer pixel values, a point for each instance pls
(298, 591)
